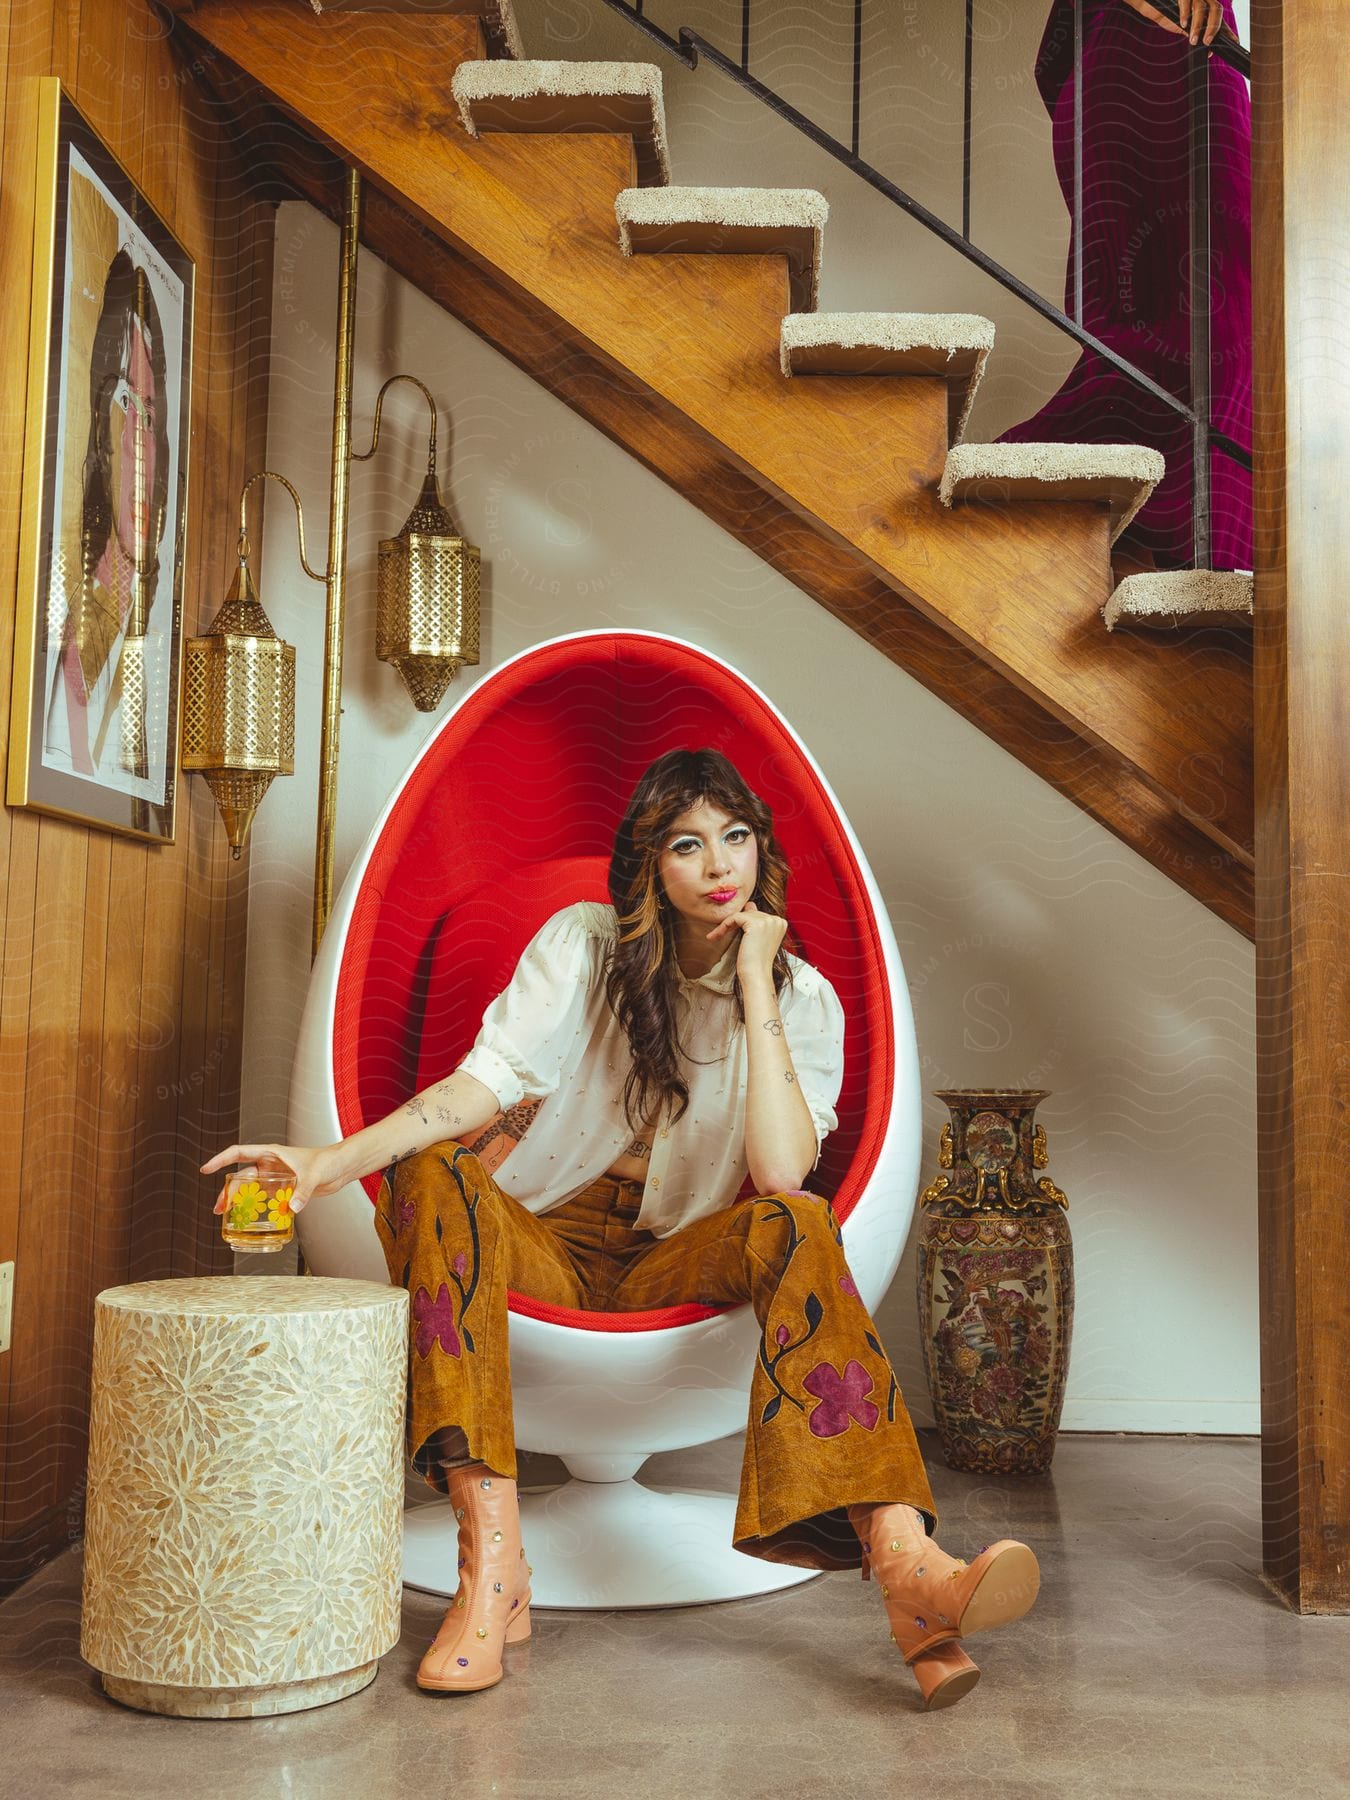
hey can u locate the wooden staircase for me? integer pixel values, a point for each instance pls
(535, 204)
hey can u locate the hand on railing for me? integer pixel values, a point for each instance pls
(1201, 20)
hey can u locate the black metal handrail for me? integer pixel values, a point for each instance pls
(691, 46)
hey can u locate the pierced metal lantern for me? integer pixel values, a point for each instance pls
(239, 706)
(426, 610)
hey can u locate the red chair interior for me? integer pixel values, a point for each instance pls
(511, 813)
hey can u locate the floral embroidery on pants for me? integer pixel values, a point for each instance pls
(442, 1320)
(435, 1322)
(460, 1246)
(842, 1398)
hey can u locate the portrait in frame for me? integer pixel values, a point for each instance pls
(98, 629)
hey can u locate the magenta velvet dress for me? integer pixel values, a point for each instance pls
(1135, 249)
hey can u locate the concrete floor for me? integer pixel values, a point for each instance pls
(1155, 1663)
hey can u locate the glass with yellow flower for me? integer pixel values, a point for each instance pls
(257, 1213)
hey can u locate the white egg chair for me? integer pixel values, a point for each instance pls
(507, 813)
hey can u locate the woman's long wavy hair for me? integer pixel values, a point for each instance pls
(128, 301)
(641, 980)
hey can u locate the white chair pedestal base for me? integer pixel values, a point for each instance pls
(610, 1545)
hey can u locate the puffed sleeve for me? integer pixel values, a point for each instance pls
(529, 1033)
(814, 1027)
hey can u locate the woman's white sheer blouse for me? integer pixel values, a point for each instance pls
(550, 1035)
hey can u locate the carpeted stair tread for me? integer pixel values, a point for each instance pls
(1171, 597)
(952, 345)
(729, 220)
(1121, 475)
(569, 96)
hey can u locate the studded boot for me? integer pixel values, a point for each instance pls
(932, 1598)
(492, 1602)
(944, 1674)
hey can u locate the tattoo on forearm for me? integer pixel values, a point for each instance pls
(638, 1148)
(416, 1108)
(789, 1077)
(775, 1026)
(446, 1117)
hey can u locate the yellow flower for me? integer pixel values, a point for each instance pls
(279, 1206)
(247, 1204)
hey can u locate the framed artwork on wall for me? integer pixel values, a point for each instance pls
(98, 629)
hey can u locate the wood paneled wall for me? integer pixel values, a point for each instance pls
(123, 961)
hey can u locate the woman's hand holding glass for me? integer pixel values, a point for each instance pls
(458, 1106)
(317, 1171)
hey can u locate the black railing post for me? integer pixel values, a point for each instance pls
(1077, 245)
(1200, 295)
(745, 35)
(965, 121)
(856, 135)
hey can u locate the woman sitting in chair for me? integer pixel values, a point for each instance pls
(673, 1044)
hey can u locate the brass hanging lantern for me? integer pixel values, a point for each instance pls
(239, 692)
(239, 676)
(426, 598)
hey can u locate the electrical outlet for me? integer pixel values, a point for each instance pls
(6, 1302)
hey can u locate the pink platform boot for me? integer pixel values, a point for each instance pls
(933, 1599)
(492, 1603)
(944, 1674)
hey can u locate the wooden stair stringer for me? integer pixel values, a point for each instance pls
(663, 440)
(891, 551)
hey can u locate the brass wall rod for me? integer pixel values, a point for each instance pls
(340, 481)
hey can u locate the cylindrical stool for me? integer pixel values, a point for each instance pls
(244, 1529)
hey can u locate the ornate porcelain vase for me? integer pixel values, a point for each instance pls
(995, 1285)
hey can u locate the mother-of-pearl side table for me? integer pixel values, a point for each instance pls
(243, 1541)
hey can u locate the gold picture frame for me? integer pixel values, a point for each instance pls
(98, 641)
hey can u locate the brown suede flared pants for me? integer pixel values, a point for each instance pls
(827, 1425)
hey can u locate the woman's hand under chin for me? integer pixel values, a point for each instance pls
(761, 934)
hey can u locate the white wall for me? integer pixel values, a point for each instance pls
(1040, 951)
